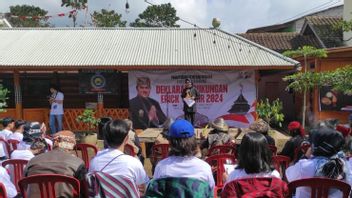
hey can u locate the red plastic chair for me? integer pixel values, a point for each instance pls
(15, 167)
(13, 144)
(129, 150)
(222, 149)
(255, 187)
(3, 193)
(303, 148)
(320, 186)
(281, 163)
(7, 146)
(84, 148)
(217, 165)
(46, 184)
(159, 152)
(273, 149)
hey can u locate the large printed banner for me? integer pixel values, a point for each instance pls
(157, 95)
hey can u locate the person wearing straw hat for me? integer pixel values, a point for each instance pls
(218, 136)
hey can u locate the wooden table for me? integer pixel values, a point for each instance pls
(149, 136)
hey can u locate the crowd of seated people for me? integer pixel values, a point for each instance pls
(184, 173)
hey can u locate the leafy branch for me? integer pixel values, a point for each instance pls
(338, 79)
(270, 112)
(3, 98)
(88, 118)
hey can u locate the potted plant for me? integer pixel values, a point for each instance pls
(270, 112)
(88, 119)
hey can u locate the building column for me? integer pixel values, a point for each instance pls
(100, 105)
(18, 95)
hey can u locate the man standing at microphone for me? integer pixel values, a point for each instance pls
(189, 96)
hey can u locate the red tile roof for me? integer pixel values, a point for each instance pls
(325, 28)
(282, 41)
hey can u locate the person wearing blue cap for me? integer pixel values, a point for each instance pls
(182, 161)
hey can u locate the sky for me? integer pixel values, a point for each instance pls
(236, 16)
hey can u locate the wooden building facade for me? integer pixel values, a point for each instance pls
(32, 59)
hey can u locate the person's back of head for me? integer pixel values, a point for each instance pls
(64, 141)
(38, 146)
(260, 126)
(295, 128)
(181, 139)
(6, 121)
(166, 126)
(19, 124)
(115, 133)
(129, 124)
(31, 131)
(254, 154)
(327, 142)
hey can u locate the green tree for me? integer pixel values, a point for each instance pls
(76, 5)
(36, 13)
(107, 18)
(344, 25)
(306, 52)
(339, 79)
(3, 98)
(163, 15)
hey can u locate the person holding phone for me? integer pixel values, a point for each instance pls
(56, 101)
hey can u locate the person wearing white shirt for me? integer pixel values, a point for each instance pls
(182, 161)
(19, 128)
(8, 124)
(113, 161)
(37, 147)
(56, 101)
(6, 180)
(254, 159)
(324, 162)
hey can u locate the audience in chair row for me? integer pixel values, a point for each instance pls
(324, 159)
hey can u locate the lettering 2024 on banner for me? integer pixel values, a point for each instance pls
(227, 94)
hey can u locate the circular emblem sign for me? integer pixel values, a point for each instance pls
(97, 81)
